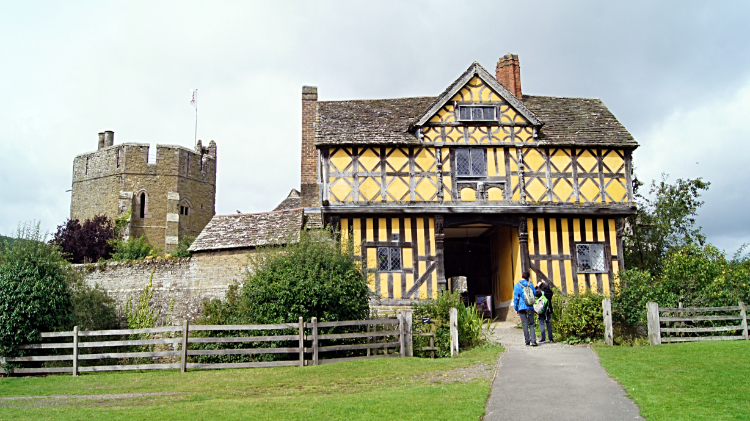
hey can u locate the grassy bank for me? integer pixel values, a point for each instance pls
(404, 389)
(688, 381)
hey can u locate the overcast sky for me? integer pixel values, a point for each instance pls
(676, 74)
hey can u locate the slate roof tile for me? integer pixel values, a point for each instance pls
(250, 230)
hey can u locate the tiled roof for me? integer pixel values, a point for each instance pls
(567, 121)
(249, 230)
(577, 121)
(292, 201)
(372, 121)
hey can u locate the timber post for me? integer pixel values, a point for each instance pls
(523, 243)
(607, 313)
(439, 252)
(654, 328)
(315, 340)
(75, 351)
(301, 342)
(407, 317)
(454, 331)
(183, 358)
(743, 313)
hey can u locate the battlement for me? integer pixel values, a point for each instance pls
(133, 158)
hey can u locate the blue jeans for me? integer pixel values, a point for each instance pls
(546, 319)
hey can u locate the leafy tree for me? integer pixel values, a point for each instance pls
(87, 242)
(34, 294)
(93, 309)
(664, 223)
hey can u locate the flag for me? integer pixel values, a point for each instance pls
(194, 99)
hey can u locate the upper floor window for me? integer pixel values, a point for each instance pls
(591, 258)
(476, 113)
(389, 259)
(470, 162)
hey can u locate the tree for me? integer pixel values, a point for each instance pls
(87, 242)
(34, 294)
(664, 223)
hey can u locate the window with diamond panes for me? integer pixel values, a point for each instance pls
(389, 259)
(476, 113)
(591, 258)
(470, 162)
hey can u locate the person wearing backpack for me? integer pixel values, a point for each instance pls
(545, 316)
(523, 302)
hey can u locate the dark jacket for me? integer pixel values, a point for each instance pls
(544, 288)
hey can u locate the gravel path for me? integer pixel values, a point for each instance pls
(553, 381)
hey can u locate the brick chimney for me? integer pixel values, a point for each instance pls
(508, 73)
(309, 191)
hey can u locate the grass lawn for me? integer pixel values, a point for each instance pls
(385, 389)
(687, 381)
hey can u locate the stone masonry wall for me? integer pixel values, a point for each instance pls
(190, 281)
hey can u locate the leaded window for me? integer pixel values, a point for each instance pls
(476, 113)
(389, 259)
(591, 258)
(470, 162)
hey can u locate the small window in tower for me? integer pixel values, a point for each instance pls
(143, 205)
(118, 157)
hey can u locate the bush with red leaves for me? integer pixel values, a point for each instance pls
(88, 242)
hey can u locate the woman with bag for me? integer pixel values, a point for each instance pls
(545, 316)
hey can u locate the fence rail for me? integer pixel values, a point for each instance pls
(656, 331)
(382, 338)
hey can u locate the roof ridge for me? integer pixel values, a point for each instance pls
(259, 213)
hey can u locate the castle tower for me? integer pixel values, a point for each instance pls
(169, 198)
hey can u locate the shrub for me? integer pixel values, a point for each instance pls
(581, 318)
(133, 249)
(87, 242)
(471, 329)
(93, 309)
(34, 294)
(183, 246)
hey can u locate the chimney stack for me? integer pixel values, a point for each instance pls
(109, 138)
(309, 174)
(508, 73)
(101, 140)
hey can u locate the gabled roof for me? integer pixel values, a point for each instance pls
(372, 121)
(293, 200)
(250, 230)
(476, 69)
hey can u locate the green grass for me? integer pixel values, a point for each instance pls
(386, 389)
(687, 381)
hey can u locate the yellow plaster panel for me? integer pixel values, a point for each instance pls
(568, 277)
(370, 233)
(587, 161)
(397, 284)
(383, 285)
(577, 230)
(581, 284)
(453, 134)
(536, 191)
(409, 281)
(590, 190)
(513, 184)
(592, 281)
(556, 273)
(431, 233)
(382, 230)
(357, 236)
(543, 265)
(589, 229)
(566, 236)
(530, 229)
(495, 194)
(372, 263)
(617, 191)
(444, 115)
(542, 236)
(426, 189)
(407, 230)
(341, 159)
(420, 239)
(398, 160)
(341, 189)
(445, 153)
(534, 159)
(553, 236)
(423, 287)
(605, 283)
(507, 114)
(369, 161)
(468, 194)
(560, 160)
(491, 171)
(615, 270)
(563, 191)
(425, 160)
(526, 134)
(397, 189)
(368, 189)
(431, 134)
(600, 229)
(408, 259)
(500, 161)
(612, 236)
(613, 161)
(344, 233)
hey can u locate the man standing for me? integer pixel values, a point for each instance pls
(524, 306)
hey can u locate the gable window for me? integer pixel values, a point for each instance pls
(591, 258)
(389, 259)
(184, 210)
(476, 113)
(470, 162)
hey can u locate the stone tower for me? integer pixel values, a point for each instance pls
(169, 199)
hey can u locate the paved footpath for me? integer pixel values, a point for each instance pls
(561, 382)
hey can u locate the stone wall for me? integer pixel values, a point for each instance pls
(190, 281)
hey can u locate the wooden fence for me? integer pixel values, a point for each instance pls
(381, 338)
(677, 323)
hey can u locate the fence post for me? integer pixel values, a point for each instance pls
(183, 356)
(401, 350)
(369, 340)
(432, 345)
(607, 313)
(654, 328)
(301, 342)
(743, 313)
(75, 351)
(408, 316)
(315, 340)
(454, 331)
